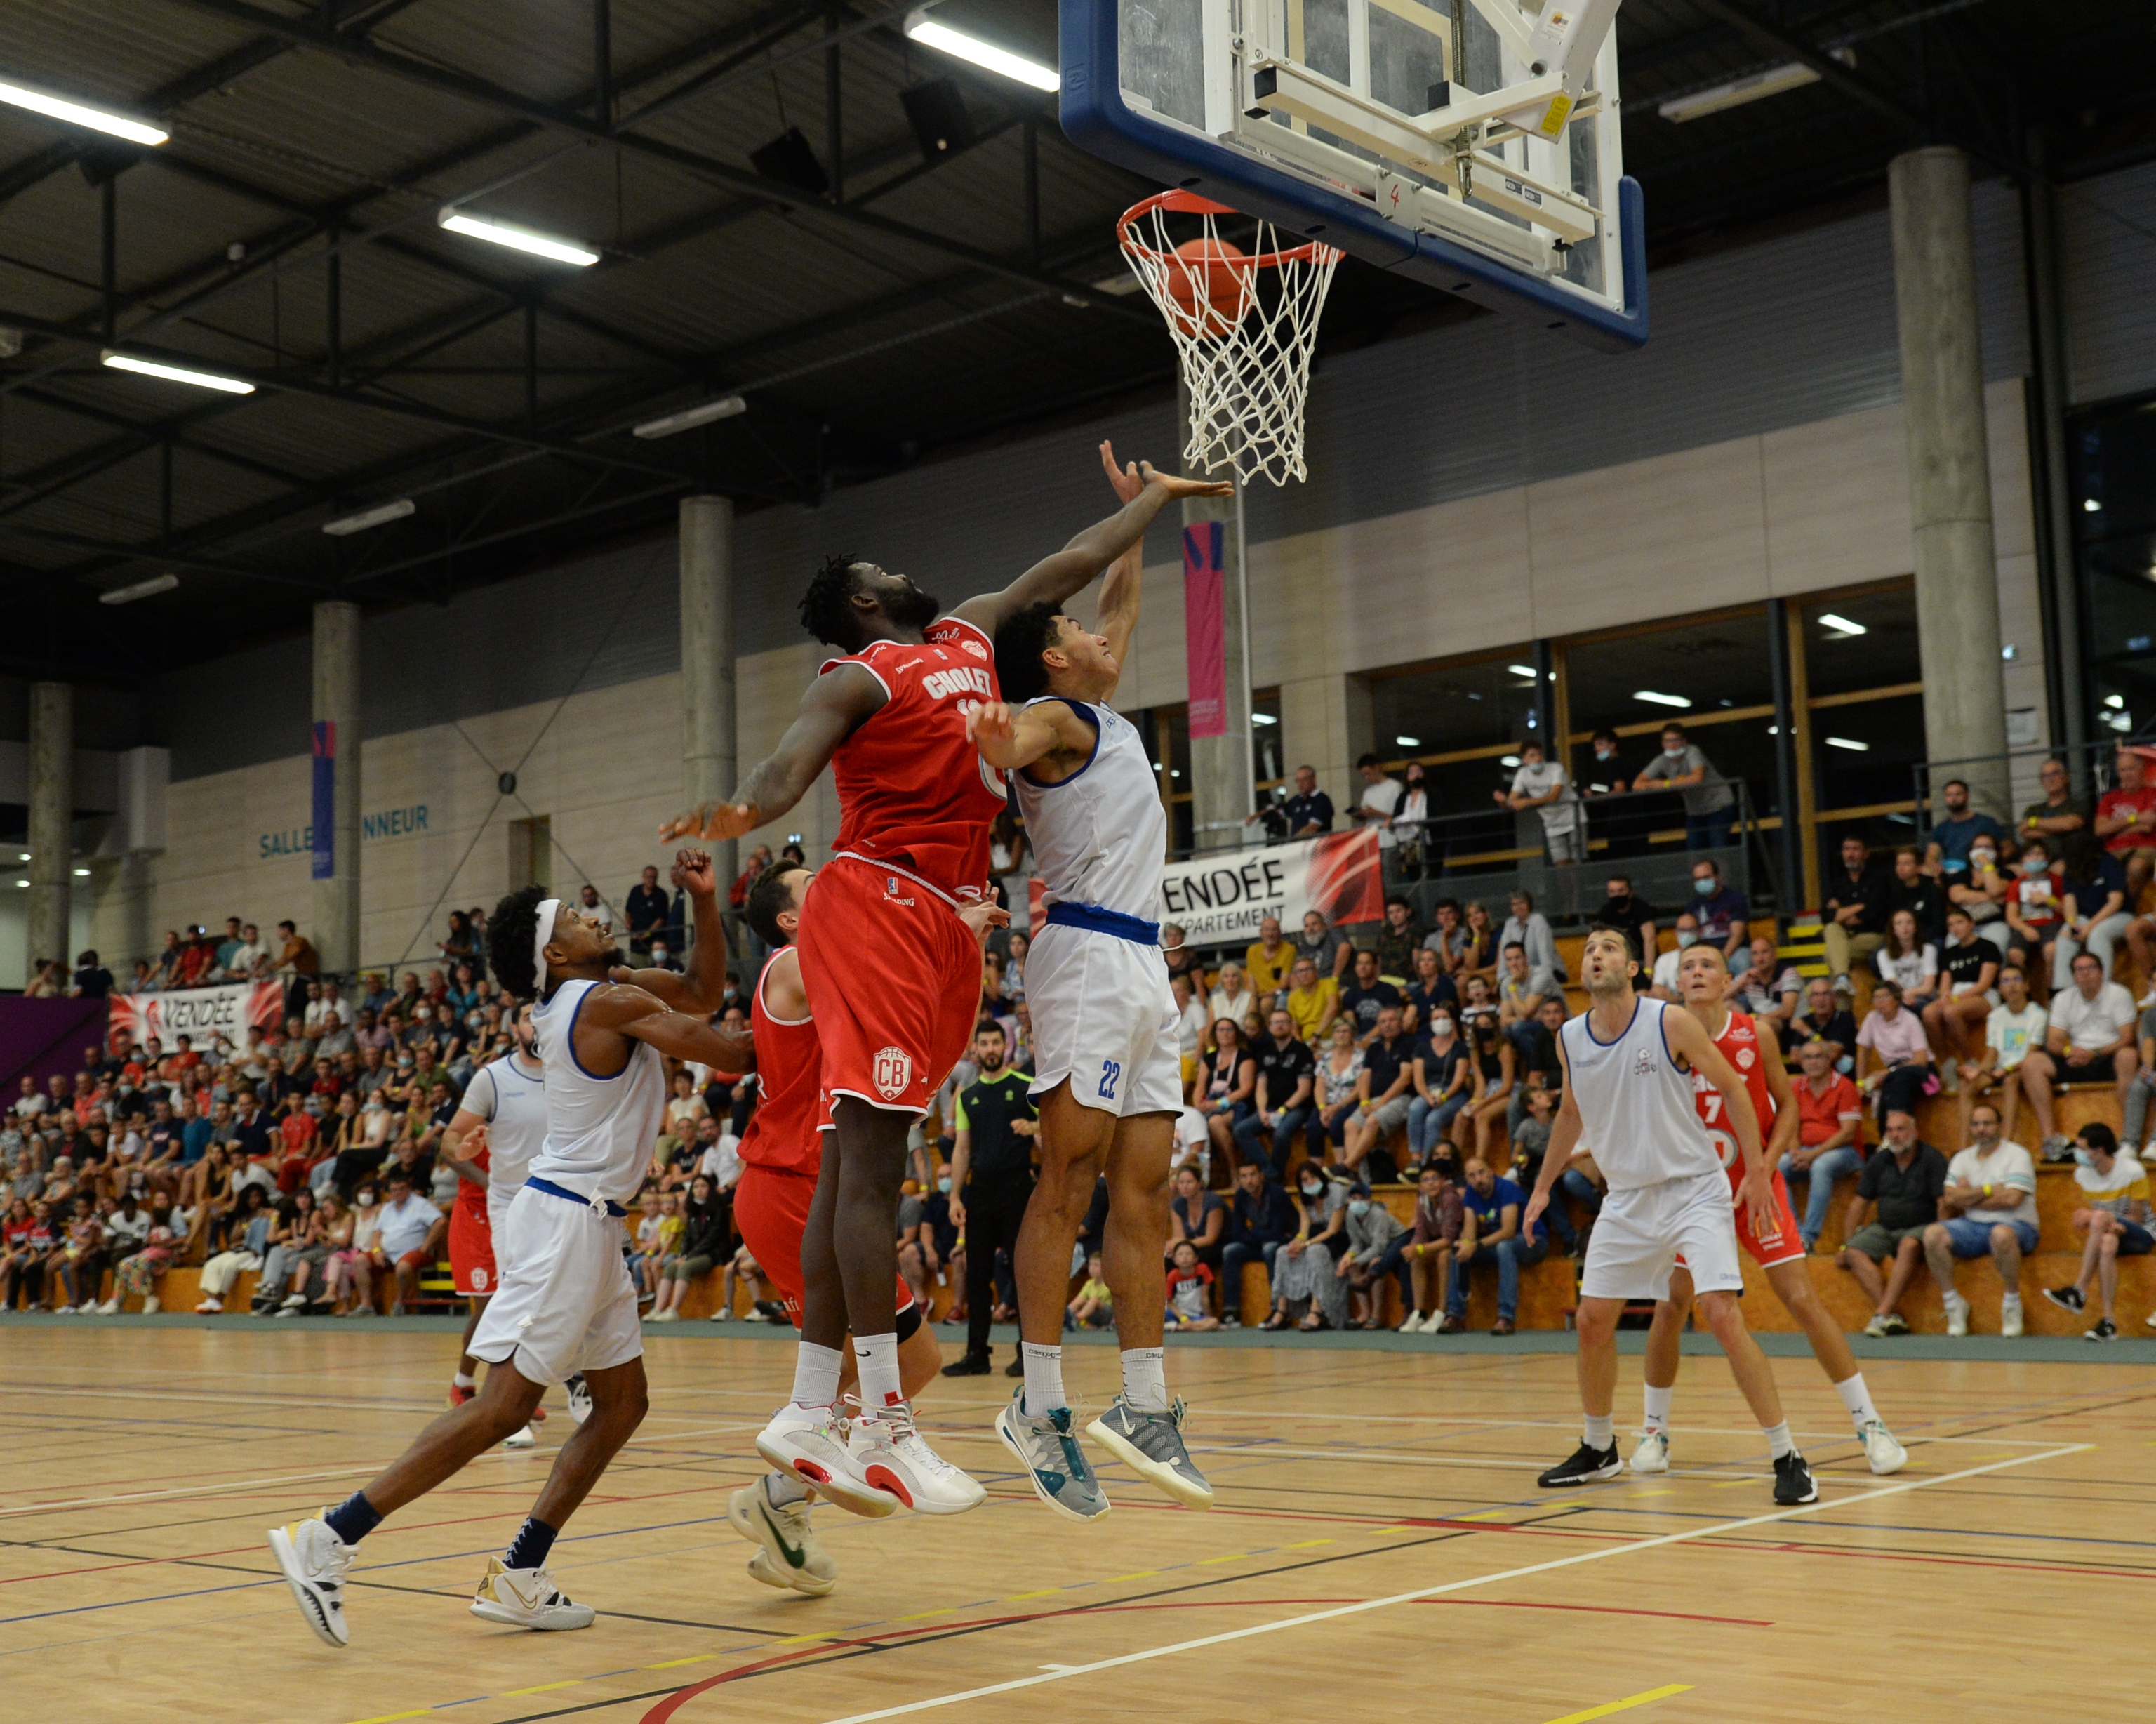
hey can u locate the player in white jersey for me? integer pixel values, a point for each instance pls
(566, 1302)
(1107, 1054)
(1629, 1061)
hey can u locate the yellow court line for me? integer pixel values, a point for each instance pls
(675, 1664)
(391, 1717)
(1624, 1705)
(1044, 1592)
(1306, 1544)
(518, 1693)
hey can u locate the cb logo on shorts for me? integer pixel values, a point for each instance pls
(894, 1073)
(479, 1280)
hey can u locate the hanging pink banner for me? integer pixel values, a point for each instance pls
(1205, 555)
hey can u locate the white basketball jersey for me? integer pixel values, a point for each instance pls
(1635, 1105)
(1099, 837)
(599, 1130)
(513, 1103)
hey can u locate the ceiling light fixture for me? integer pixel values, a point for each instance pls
(380, 515)
(688, 418)
(176, 374)
(1660, 700)
(1842, 624)
(1752, 87)
(140, 589)
(517, 239)
(2114, 700)
(1854, 746)
(58, 107)
(1527, 671)
(1263, 718)
(1508, 759)
(921, 28)
(82, 873)
(1407, 742)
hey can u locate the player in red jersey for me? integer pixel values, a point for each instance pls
(1703, 985)
(892, 975)
(472, 1273)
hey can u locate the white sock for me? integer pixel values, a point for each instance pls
(1857, 1399)
(2011, 1299)
(780, 1488)
(1598, 1433)
(816, 1374)
(1779, 1440)
(876, 1358)
(464, 1379)
(1145, 1378)
(1658, 1407)
(1044, 1378)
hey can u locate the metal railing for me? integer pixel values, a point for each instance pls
(2090, 770)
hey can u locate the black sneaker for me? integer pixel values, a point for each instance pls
(2105, 1330)
(972, 1365)
(1897, 1324)
(1016, 1367)
(2066, 1298)
(1793, 1481)
(1587, 1466)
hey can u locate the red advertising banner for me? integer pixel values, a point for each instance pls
(1204, 556)
(202, 1015)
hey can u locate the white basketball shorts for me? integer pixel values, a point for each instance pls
(498, 1200)
(567, 1305)
(1104, 1018)
(1642, 1229)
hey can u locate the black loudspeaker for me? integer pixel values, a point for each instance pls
(936, 111)
(789, 159)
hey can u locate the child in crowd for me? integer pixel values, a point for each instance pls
(1095, 1307)
(650, 1247)
(1189, 1283)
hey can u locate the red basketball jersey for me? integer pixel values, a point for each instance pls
(915, 796)
(1739, 1042)
(786, 1129)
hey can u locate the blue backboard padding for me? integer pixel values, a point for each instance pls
(1097, 120)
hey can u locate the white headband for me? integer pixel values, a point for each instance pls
(550, 909)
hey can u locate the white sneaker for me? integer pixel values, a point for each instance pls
(788, 1556)
(209, 1307)
(1881, 1449)
(580, 1397)
(810, 1443)
(2010, 1316)
(1957, 1313)
(1653, 1453)
(661, 1316)
(526, 1439)
(109, 1307)
(152, 1305)
(316, 1561)
(527, 1599)
(295, 1302)
(1412, 1326)
(885, 1452)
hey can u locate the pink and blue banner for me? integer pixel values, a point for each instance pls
(1204, 616)
(325, 829)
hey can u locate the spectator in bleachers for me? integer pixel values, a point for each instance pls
(648, 907)
(1829, 1116)
(1982, 892)
(1544, 786)
(1531, 1136)
(1339, 1082)
(1894, 1039)
(1605, 774)
(1196, 1216)
(1443, 1081)
(1908, 960)
(413, 1230)
(1268, 959)
(2126, 821)
(1522, 988)
(1287, 1071)
(1987, 1207)
(2036, 899)
(1853, 920)
(2095, 893)
(245, 1231)
(1439, 1216)
(2058, 811)
(1226, 1087)
(1379, 802)
(1309, 810)
(1490, 1235)
(1766, 988)
(1376, 1243)
(2090, 1040)
(1921, 894)
(1399, 937)
(1189, 1281)
(1725, 920)
(1947, 845)
(1329, 949)
(1710, 804)
(1432, 991)
(1415, 853)
(1624, 910)
(26, 1240)
(1899, 1191)
(1305, 1269)
(1531, 929)
(92, 980)
(1383, 1094)
(1366, 996)
(1662, 980)
(1260, 1220)
(1448, 938)
(1969, 967)
(1479, 953)
(2013, 1028)
(2115, 1215)
(1233, 998)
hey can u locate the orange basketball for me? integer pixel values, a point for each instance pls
(1214, 270)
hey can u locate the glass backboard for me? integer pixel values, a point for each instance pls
(1469, 144)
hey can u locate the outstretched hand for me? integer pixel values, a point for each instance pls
(1127, 480)
(718, 820)
(692, 872)
(1177, 486)
(991, 722)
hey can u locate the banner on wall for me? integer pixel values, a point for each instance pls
(200, 1014)
(1205, 633)
(322, 838)
(1222, 897)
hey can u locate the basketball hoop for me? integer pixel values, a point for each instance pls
(1244, 324)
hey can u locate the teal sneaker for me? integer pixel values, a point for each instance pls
(1151, 1445)
(1052, 1459)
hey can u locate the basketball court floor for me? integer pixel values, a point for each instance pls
(1380, 1548)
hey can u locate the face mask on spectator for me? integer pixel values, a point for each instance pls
(1605, 754)
(2083, 1158)
(943, 1185)
(1705, 887)
(1685, 938)
(1358, 1206)
(1440, 1026)
(367, 1197)
(1673, 754)
(2035, 865)
(1312, 1187)
(1983, 858)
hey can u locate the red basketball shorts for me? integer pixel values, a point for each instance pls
(893, 982)
(771, 1208)
(1787, 1245)
(471, 1254)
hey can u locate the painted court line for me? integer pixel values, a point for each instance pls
(91, 1502)
(1457, 1586)
(1624, 1705)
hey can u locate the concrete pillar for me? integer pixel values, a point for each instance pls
(337, 789)
(1949, 470)
(52, 821)
(708, 766)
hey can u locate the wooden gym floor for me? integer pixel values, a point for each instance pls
(1379, 1549)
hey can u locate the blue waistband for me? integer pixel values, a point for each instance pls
(1100, 921)
(552, 1190)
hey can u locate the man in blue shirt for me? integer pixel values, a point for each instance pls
(1490, 1233)
(1260, 1220)
(1724, 918)
(1946, 845)
(1309, 810)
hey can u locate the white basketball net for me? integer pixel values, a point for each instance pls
(1245, 368)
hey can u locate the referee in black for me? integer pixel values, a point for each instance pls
(991, 1179)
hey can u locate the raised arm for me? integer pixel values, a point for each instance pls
(1013, 737)
(622, 1009)
(835, 705)
(1118, 617)
(700, 988)
(1054, 578)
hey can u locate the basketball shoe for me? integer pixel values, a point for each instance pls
(810, 1443)
(1653, 1453)
(1052, 1459)
(788, 1555)
(315, 1561)
(884, 1452)
(1151, 1445)
(527, 1599)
